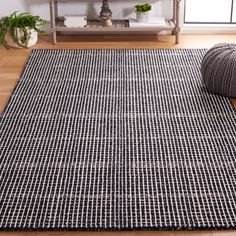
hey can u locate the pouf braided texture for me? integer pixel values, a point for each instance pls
(218, 69)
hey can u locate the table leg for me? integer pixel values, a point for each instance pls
(177, 22)
(53, 22)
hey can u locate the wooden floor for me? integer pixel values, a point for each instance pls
(11, 65)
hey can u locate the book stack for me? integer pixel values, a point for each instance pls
(152, 22)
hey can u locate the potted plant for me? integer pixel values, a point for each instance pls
(20, 30)
(142, 12)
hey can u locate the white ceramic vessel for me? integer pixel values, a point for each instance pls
(142, 16)
(32, 41)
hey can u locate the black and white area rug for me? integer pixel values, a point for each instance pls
(116, 140)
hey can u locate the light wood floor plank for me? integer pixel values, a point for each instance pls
(11, 61)
(3, 101)
(234, 102)
(7, 85)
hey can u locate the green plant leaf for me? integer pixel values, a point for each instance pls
(25, 22)
(143, 8)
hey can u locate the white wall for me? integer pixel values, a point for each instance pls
(120, 8)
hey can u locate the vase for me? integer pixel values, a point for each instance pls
(32, 40)
(142, 16)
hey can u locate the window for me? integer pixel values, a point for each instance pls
(210, 11)
(234, 12)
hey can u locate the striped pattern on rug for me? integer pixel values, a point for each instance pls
(114, 140)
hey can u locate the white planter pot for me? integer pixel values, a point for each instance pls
(142, 16)
(32, 41)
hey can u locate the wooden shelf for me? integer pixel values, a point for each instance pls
(118, 26)
(95, 26)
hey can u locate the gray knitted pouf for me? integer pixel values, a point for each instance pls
(219, 69)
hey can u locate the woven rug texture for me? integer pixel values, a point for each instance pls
(116, 140)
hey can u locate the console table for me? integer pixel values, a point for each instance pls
(119, 26)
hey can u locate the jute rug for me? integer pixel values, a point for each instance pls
(115, 140)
